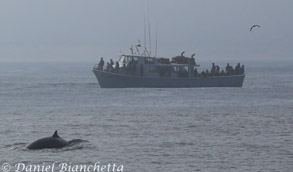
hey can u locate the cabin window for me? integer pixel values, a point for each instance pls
(177, 69)
(182, 71)
(128, 59)
(149, 61)
(164, 70)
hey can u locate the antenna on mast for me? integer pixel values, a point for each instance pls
(144, 32)
(149, 26)
(145, 39)
(156, 40)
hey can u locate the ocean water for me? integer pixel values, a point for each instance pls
(146, 130)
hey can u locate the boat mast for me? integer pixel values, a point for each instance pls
(156, 40)
(145, 40)
(144, 32)
(149, 25)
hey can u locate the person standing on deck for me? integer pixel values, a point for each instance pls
(241, 70)
(101, 64)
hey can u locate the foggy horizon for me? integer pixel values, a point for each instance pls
(40, 31)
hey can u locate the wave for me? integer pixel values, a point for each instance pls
(56, 85)
(16, 146)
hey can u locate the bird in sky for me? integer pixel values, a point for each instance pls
(254, 27)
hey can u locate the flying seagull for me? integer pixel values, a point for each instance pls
(253, 27)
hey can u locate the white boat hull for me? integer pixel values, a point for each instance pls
(114, 80)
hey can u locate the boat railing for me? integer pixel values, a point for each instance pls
(96, 66)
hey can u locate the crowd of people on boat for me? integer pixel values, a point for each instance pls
(130, 68)
(215, 71)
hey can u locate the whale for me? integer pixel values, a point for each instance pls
(48, 142)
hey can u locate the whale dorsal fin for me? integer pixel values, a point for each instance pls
(55, 134)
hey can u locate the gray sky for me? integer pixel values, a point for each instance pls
(84, 30)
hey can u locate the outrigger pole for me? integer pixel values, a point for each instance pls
(149, 25)
(156, 40)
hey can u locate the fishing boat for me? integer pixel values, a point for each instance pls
(137, 70)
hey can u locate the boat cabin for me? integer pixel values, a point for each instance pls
(156, 67)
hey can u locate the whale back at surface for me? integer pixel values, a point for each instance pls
(48, 142)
